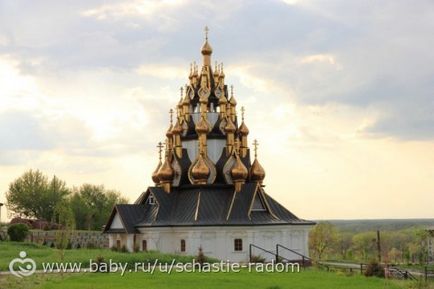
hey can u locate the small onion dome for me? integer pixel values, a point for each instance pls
(200, 171)
(186, 100)
(223, 100)
(165, 173)
(169, 131)
(243, 129)
(230, 127)
(232, 101)
(206, 48)
(177, 129)
(239, 171)
(202, 126)
(257, 172)
(155, 174)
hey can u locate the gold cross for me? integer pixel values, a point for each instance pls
(160, 149)
(255, 144)
(232, 91)
(206, 32)
(171, 116)
(242, 113)
(182, 91)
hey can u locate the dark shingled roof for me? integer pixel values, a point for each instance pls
(129, 215)
(204, 205)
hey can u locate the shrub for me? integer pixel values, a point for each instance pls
(18, 232)
(114, 248)
(123, 249)
(257, 259)
(374, 269)
(200, 258)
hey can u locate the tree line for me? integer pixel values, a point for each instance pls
(405, 246)
(34, 195)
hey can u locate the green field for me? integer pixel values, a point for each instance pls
(39, 253)
(310, 278)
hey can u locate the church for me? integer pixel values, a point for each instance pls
(209, 187)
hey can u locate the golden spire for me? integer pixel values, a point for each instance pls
(257, 172)
(232, 105)
(244, 131)
(186, 105)
(169, 133)
(206, 50)
(179, 110)
(155, 173)
(216, 75)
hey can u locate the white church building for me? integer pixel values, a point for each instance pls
(207, 192)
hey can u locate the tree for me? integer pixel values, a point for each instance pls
(365, 245)
(32, 196)
(342, 244)
(92, 205)
(321, 239)
(65, 218)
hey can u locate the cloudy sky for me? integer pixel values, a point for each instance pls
(340, 94)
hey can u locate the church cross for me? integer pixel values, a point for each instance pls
(171, 116)
(255, 144)
(206, 33)
(242, 113)
(160, 149)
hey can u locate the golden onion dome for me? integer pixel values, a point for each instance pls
(239, 171)
(200, 171)
(230, 127)
(232, 101)
(257, 172)
(155, 174)
(177, 129)
(243, 129)
(202, 126)
(206, 48)
(169, 131)
(223, 99)
(165, 173)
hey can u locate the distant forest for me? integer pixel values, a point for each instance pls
(380, 224)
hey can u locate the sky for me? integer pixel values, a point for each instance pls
(339, 94)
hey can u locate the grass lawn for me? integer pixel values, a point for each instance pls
(39, 253)
(311, 279)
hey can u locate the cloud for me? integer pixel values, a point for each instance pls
(137, 8)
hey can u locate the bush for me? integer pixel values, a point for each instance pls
(18, 232)
(123, 249)
(259, 259)
(374, 269)
(200, 258)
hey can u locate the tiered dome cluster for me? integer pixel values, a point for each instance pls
(206, 145)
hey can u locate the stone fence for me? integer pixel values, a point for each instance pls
(79, 239)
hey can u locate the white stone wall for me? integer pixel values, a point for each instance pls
(218, 242)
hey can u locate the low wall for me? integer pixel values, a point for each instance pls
(79, 239)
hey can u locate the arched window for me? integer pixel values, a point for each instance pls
(182, 245)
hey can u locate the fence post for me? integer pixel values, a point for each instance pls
(277, 253)
(426, 273)
(250, 253)
(361, 269)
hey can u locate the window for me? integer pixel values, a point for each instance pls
(151, 200)
(118, 244)
(182, 245)
(238, 245)
(144, 245)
